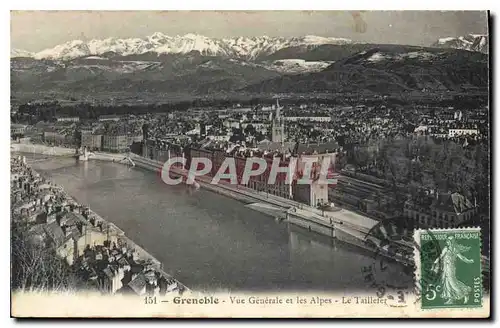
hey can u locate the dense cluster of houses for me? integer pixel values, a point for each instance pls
(274, 130)
(98, 250)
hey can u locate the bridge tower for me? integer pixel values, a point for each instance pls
(84, 156)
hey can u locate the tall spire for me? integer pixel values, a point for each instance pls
(278, 128)
(277, 109)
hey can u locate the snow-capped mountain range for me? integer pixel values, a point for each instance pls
(240, 47)
(20, 53)
(471, 42)
(325, 68)
(194, 64)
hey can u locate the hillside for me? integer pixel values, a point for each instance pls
(390, 69)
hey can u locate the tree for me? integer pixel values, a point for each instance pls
(250, 130)
(36, 267)
(361, 158)
(237, 136)
(341, 162)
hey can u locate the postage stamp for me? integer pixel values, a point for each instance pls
(448, 267)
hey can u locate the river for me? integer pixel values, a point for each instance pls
(209, 241)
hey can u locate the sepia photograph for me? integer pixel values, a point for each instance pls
(250, 164)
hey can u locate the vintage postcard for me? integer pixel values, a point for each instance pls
(250, 164)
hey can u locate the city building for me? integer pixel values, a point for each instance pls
(134, 138)
(278, 125)
(87, 129)
(104, 118)
(440, 210)
(92, 141)
(258, 126)
(462, 132)
(362, 192)
(115, 143)
(54, 137)
(308, 118)
(17, 129)
(261, 182)
(68, 119)
(71, 234)
(112, 278)
(232, 124)
(314, 193)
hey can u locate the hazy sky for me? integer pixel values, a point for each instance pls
(37, 30)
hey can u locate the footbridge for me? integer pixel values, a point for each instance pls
(126, 160)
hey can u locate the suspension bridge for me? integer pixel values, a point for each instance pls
(81, 154)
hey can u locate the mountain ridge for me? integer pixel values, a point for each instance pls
(470, 42)
(265, 65)
(236, 47)
(390, 69)
(248, 48)
(380, 69)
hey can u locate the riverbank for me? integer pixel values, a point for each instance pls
(82, 232)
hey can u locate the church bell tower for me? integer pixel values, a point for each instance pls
(278, 125)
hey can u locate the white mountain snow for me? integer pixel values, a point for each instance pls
(238, 47)
(471, 42)
(381, 56)
(295, 66)
(20, 53)
(68, 50)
